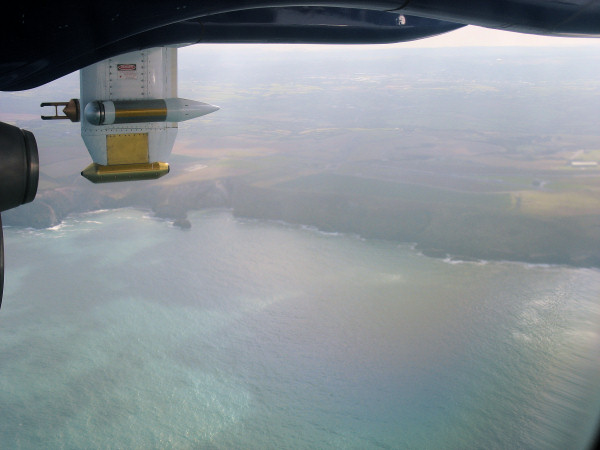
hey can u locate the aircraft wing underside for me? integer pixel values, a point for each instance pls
(42, 42)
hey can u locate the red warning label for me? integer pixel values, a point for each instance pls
(126, 67)
(127, 71)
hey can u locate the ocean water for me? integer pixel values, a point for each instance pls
(119, 330)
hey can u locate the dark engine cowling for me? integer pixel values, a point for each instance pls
(19, 173)
(19, 166)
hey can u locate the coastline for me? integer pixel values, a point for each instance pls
(183, 222)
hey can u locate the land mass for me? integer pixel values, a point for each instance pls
(452, 167)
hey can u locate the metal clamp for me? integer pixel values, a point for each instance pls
(71, 110)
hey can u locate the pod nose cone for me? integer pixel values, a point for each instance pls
(212, 108)
(180, 109)
(197, 109)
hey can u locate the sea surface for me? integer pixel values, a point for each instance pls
(119, 330)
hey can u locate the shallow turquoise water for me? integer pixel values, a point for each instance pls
(120, 331)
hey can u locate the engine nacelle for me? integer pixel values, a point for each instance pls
(19, 174)
(19, 166)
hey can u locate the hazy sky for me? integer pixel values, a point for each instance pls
(477, 36)
(469, 36)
